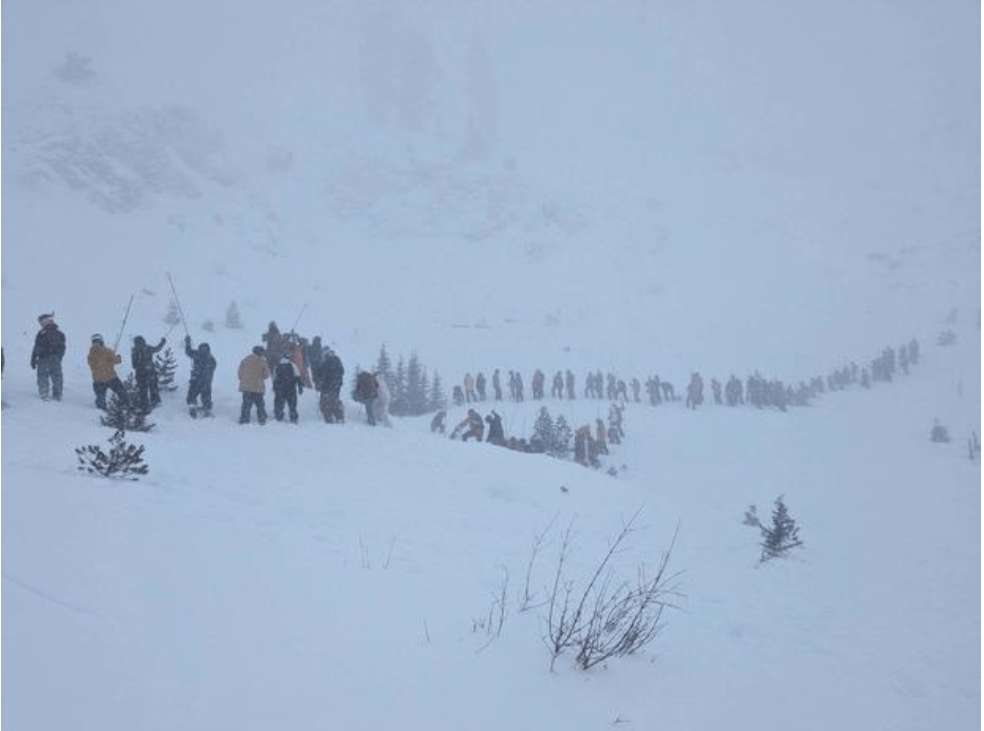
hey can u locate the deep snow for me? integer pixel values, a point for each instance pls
(634, 187)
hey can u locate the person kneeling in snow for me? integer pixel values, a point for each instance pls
(474, 424)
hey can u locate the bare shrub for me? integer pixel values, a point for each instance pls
(609, 617)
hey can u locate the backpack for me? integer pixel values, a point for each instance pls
(366, 387)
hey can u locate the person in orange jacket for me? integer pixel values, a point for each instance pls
(102, 363)
(475, 427)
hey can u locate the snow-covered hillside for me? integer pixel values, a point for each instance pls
(636, 187)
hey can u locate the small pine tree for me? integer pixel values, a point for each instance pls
(562, 435)
(416, 391)
(126, 417)
(398, 390)
(543, 429)
(939, 433)
(173, 316)
(208, 326)
(233, 320)
(384, 366)
(167, 366)
(782, 536)
(437, 399)
(423, 403)
(122, 462)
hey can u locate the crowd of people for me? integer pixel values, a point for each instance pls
(293, 363)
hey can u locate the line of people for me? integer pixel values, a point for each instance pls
(293, 363)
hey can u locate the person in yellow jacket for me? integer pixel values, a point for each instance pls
(253, 371)
(102, 363)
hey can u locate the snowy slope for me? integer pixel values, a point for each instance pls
(634, 187)
(333, 576)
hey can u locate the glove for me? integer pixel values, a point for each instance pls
(187, 339)
(300, 390)
(33, 365)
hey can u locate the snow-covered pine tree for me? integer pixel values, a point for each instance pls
(167, 367)
(398, 390)
(424, 404)
(436, 399)
(173, 316)
(416, 392)
(233, 320)
(543, 429)
(208, 326)
(384, 366)
(122, 462)
(939, 433)
(782, 536)
(128, 417)
(562, 435)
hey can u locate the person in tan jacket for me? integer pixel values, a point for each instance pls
(102, 363)
(253, 371)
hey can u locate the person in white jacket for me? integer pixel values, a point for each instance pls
(381, 405)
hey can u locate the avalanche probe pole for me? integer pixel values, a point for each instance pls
(298, 320)
(126, 315)
(178, 303)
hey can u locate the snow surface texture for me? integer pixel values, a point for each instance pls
(634, 187)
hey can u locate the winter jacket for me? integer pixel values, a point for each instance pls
(202, 362)
(496, 434)
(330, 374)
(366, 387)
(142, 356)
(276, 344)
(49, 341)
(298, 358)
(473, 422)
(286, 378)
(253, 371)
(102, 362)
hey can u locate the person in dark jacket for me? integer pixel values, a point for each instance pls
(46, 357)
(480, 386)
(145, 372)
(329, 378)
(200, 384)
(496, 435)
(437, 423)
(366, 392)
(276, 345)
(497, 385)
(287, 386)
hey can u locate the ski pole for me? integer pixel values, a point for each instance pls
(126, 315)
(297, 321)
(178, 303)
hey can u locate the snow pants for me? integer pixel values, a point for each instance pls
(288, 398)
(100, 388)
(49, 371)
(203, 389)
(249, 400)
